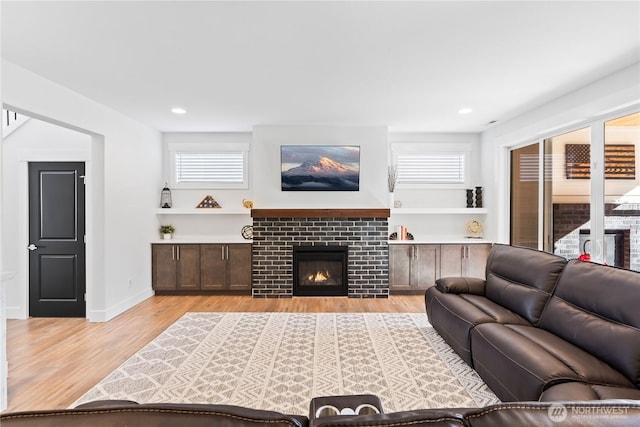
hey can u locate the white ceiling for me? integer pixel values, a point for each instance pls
(408, 65)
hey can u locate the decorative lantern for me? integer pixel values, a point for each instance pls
(165, 197)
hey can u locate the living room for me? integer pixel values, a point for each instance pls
(129, 159)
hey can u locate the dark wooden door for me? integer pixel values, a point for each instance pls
(57, 262)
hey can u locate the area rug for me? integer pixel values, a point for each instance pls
(279, 361)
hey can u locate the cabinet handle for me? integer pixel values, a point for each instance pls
(173, 253)
(221, 252)
(178, 252)
(227, 251)
(417, 252)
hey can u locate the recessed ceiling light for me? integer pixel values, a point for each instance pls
(178, 110)
(464, 111)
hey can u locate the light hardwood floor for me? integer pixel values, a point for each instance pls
(52, 362)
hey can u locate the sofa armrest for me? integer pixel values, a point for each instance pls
(461, 285)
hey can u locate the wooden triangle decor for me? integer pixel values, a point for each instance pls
(208, 202)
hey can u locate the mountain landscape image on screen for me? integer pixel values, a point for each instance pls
(320, 169)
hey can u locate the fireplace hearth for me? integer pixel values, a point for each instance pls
(320, 270)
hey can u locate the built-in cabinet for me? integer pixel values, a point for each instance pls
(175, 267)
(199, 268)
(415, 267)
(463, 260)
(225, 267)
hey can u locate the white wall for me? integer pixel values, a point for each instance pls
(616, 93)
(125, 183)
(265, 169)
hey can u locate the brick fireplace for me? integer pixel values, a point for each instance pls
(363, 231)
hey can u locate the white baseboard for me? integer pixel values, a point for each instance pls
(16, 312)
(111, 312)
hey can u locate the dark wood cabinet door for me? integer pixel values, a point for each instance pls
(239, 266)
(163, 267)
(188, 270)
(451, 260)
(213, 267)
(425, 266)
(477, 256)
(400, 267)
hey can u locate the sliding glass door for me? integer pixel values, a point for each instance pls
(622, 192)
(525, 183)
(579, 195)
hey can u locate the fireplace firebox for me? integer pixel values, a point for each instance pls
(320, 270)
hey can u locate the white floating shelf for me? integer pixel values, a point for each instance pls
(202, 211)
(439, 211)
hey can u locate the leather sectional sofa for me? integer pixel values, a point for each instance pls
(539, 414)
(542, 328)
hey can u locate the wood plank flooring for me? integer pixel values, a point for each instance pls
(52, 362)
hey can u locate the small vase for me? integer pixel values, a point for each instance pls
(478, 197)
(391, 200)
(167, 236)
(469, 198)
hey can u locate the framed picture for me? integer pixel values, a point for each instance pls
(619, 161)
(320, 167)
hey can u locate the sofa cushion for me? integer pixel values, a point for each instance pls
(566, 414)
(160, 414)
(522, 279)
(514, 367)
(588, 367)
(581, 391)
(595, 307)
(527, 360)
(453, 316)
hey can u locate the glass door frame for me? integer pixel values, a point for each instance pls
(597, 184)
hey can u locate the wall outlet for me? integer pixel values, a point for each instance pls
(130, 283)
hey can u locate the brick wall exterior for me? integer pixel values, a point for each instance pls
(570, 218)
(273, 240)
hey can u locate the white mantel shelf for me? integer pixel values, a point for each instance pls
(439, 211)
(202, 211)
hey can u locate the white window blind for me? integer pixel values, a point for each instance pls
(223, 167)
(431, 168)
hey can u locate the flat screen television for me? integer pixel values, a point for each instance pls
(320, 167)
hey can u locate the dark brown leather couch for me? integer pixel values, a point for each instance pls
(618, 413)
(542, 328)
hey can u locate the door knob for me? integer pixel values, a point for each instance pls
(32, 247)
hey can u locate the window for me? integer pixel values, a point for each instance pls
(209, 167)
(432, 165)
(221, 166)
(431, 168)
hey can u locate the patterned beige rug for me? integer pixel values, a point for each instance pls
(279, 361)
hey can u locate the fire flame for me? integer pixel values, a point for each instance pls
(319, 277)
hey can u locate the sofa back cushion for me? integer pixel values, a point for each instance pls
(522, 279)
(597, 308)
